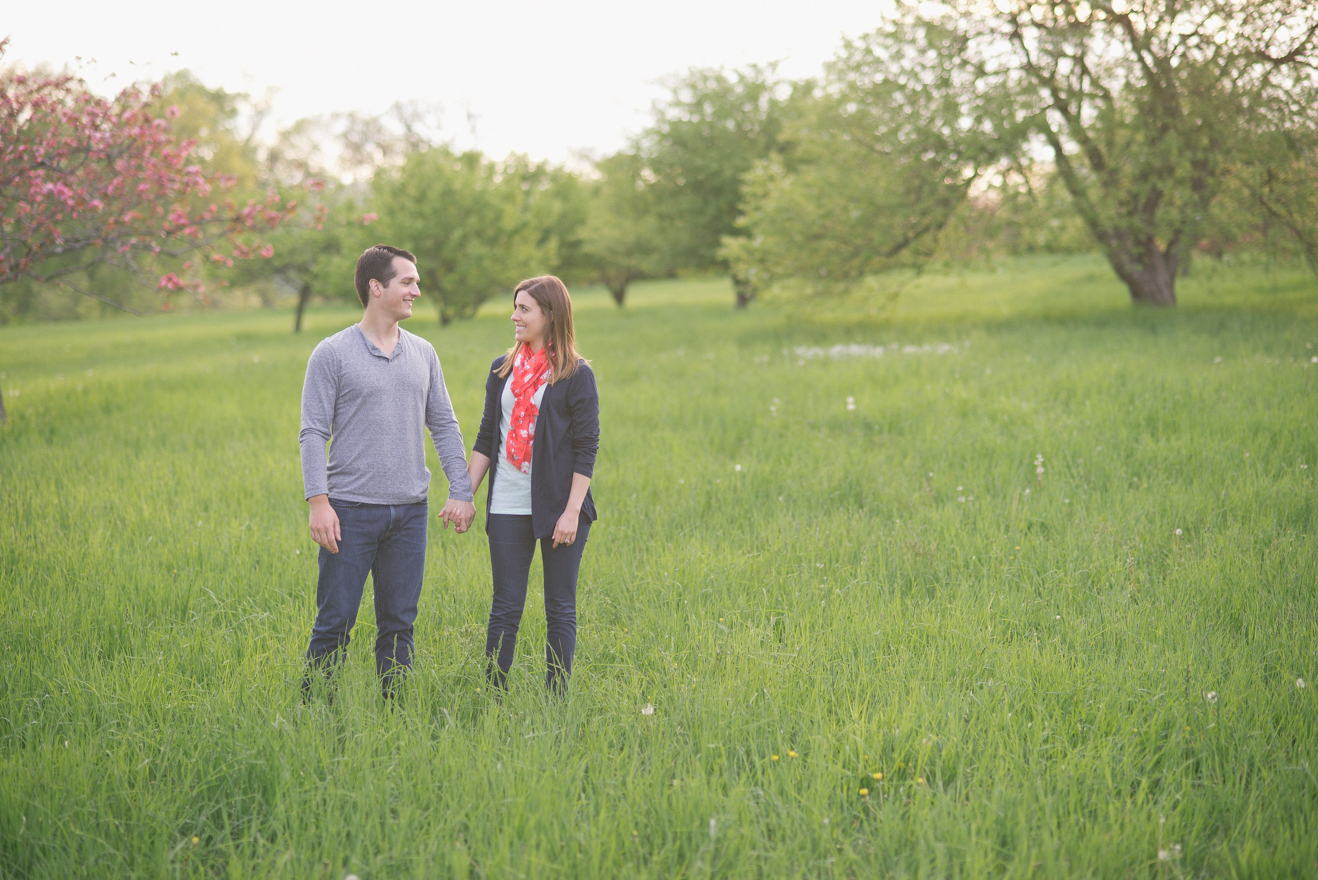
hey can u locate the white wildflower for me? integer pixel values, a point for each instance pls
(1211, 696)
(1299, 683)
(647, 709)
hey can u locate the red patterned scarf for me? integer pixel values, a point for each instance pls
(530, 372)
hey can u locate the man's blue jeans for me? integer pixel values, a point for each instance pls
(389, 541)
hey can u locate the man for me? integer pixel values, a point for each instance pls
(372, 389)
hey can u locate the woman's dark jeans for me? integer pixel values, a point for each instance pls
(512, 547)
(389, 541)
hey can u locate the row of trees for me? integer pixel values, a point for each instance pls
(1149, 130)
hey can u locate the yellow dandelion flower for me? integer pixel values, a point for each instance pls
(878, 777)
(195, 840)
(919, 780)
(775, 757)
(793, 755)
(864, 792)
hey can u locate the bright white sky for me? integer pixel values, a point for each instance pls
(540, 78)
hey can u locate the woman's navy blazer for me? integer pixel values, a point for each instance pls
(567, 438)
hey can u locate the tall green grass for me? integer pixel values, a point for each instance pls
(1055, 674)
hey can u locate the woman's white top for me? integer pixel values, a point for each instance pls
(512, 488)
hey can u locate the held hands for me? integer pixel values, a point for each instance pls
(324, 523)
(460, 513)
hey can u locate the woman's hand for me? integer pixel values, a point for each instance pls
(565, 530)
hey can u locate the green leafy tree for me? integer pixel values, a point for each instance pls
(475, 225)
(221, 125)
(558, 203)
(1145, 107)
(877, 159)
(313, 253)
(1280, 174)
(708, 133)
(621, 232)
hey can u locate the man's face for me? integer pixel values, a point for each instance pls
(395, 298)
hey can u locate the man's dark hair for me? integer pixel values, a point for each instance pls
(378, 263)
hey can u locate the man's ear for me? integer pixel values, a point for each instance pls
(373, 285)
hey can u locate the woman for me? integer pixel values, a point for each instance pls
(537, 440)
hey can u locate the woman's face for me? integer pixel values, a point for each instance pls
(530, 324)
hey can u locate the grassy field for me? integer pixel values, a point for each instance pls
(878, 637)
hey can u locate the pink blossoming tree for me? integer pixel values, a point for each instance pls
(87, 181)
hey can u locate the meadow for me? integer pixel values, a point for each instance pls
(1007, 580)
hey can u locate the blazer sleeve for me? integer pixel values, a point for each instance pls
(584, 412)
(487, 435)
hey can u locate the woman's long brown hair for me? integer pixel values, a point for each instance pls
(550, 294)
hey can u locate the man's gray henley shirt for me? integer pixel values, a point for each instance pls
(373, 410)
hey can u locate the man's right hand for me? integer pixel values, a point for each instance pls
(324, 523)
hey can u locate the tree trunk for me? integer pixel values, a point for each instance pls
(619, 291)
(745, 292)
(1150, 276)
(303, 295)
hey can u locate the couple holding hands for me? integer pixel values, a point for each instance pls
(371, 391)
